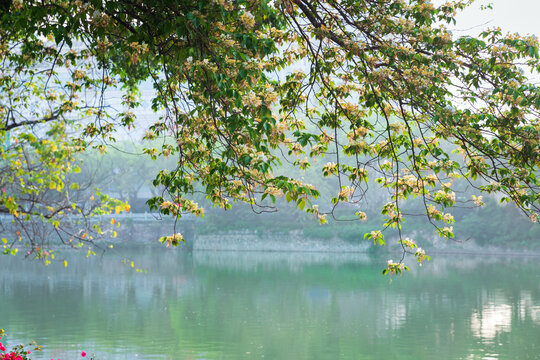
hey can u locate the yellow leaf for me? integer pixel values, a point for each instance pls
(117, 209)
(52, 185)
(132, 264)
(16, 214)
(65, 263)
(113, 221)
(128, 207)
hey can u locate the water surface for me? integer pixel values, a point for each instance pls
(248, 305)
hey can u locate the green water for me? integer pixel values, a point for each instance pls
(227, 305)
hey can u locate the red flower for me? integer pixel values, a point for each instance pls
(83, 354)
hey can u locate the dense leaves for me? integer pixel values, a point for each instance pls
(382, 88)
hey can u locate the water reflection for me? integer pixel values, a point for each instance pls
(268, 261)
(228, 305)
(527, 307)
(492, 319)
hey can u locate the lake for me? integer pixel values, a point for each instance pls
(253, 305)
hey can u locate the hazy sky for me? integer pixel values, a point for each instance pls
(520, 16)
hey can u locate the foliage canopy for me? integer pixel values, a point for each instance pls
(381, 87)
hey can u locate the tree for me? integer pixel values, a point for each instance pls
(379, 86)
(39, 198)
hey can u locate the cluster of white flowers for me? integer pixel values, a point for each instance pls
(359, 132)
(409, 243)
(448, 218)
(346, 192)
(172, 240)
(247, 20)
(272, 190)
(329, 168)
(252, 100)
(393, 267)
(397, 127)
(478, 200)
(376, 236)
(420, 255)
(361, 215)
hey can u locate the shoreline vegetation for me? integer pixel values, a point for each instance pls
(495, 225)
(241, 230)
